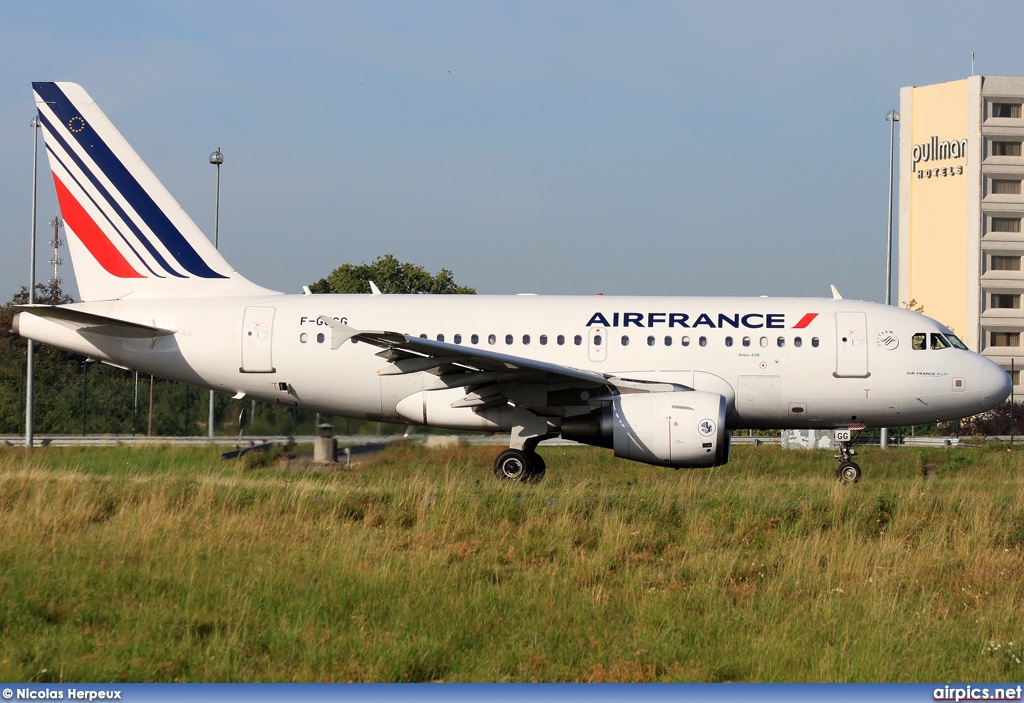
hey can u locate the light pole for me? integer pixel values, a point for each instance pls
(216, 158)
(29, 438)
(892, 118)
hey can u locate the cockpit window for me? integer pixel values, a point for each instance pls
(919, 341)
(955, 341)
(939, 342)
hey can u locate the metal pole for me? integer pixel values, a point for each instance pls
(29, 432)
(892, 118)
(1013, 405)
(216, 158)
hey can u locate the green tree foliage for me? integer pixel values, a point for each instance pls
(391, 276)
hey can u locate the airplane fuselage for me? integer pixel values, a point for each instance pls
(780, 363)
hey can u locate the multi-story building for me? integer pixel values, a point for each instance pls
(961, 210)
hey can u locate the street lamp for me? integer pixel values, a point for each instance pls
(35, 125)
(216, 158)
(892, 118)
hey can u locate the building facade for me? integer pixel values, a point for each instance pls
(961, 210)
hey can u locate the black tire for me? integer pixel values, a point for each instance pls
(848, 472)
(537, 468)
(512, 465)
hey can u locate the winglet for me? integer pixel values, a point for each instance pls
(339, 333)
(836, 295)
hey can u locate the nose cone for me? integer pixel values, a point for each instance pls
(995, 384)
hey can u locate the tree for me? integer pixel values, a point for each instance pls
(391, 276)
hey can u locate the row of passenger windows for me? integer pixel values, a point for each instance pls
(624, 340)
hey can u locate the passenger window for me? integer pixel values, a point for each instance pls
(508, 339)
(543, 339)
(918, 341)
(625, 340)
(491, 339)
(561, 339)
(475, 339)
(781, 342)
(423, 336)
(764, 341)
(440, 337)
(577, 340)
(598, 340)
(650, 341)
(939, 342)
(814, 341)
(668, 341)
(320, 338)
(728, 341)
(703, 341)
(303, 337)
(458, 339)
(746, 341)
(526, 339)
(798, 342)
(685, 341)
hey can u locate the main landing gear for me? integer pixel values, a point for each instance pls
(848, 471)
(520, 465)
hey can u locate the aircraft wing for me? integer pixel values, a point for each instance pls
(96, 324)
(490, 376)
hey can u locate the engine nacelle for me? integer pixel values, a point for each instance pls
(683, 429)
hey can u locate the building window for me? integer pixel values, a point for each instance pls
(1004, 263)
(1004, 186)
(1006, 224)
(1014, 375)
(1006, 301)
(1011, 110)
(1004, 339)
(1005, 148)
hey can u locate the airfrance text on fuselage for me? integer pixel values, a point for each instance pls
(753, 320)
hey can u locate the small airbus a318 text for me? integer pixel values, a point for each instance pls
(660, 380)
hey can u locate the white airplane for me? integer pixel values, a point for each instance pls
(661, 380)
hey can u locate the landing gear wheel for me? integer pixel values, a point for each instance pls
(848, 472)
(512, 465)
(518, 465)
(537, 468)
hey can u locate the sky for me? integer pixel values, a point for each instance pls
(640, 148)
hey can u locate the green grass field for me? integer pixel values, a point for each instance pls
(159, 564)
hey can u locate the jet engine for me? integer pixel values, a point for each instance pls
(682, 429)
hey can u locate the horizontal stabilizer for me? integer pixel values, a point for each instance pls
(94, 324)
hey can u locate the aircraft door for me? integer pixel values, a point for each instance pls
(851, 345)
(598, 343)
(257, 335)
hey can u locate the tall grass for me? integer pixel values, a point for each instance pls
(156, 564)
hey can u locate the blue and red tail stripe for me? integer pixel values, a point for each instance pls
(126, 185)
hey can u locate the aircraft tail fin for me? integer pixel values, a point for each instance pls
(128, 236)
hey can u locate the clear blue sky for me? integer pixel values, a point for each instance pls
(551, 147)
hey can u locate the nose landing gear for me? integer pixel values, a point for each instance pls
(848, 471)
